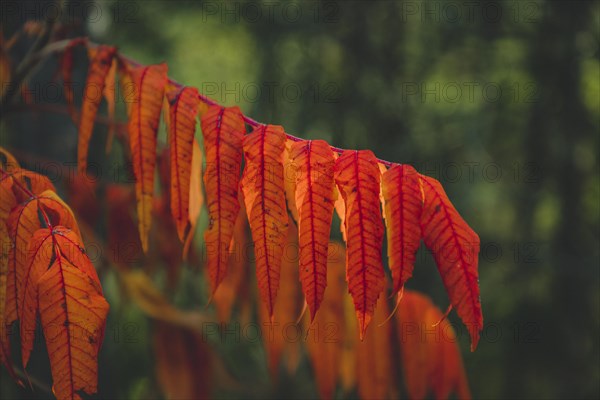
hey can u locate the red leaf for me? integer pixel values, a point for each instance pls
(223, 130)
(431, 360)
(455, 247)
(313, 163)
(182, 127)
(264, 196)
(357, 176)
(92, 95)
(402, 206)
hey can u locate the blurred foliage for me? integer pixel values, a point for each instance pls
(499, 100)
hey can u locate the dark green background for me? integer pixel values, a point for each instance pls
(499, 100)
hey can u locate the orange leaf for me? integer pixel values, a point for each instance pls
(223, 130)
(314, 163)
(289, 180)
(402, 211)
(264, 196)
(455, 247)
(326, 334)
(374, 368)
(195, 196)
(4, 342)
(41, 251)
(66, 67)
(233, 284)
(7, 198)
(22, 222)
(109, 93)
(92, 95)
(24, 181)
(182, 127)
(73, 313)
(431, 360)
(184, 368)
(357, 176)
(7, 161)
(282, 338)
(148, 83)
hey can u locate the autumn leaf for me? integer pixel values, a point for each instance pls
(36, 213)
(7, 161)
(73, 314)
(109, 93)
(358, 179)
(5, 357)
(42, 250)
(25, 183)
(196, 199)
(92, 95)
(326, 334)
(223, 130)
(184, 368)
(182, 127)
(431, 360)
(7, 197)
(455, 247)
(149, 83)
(279, 338)
(264, 197)
(402, 206)
(374, 368)
(233, 286)
(66, 68)
(313, 162)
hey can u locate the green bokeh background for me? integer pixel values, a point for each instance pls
(499, 100)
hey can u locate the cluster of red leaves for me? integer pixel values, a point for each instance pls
(266, 174)
(312, 177)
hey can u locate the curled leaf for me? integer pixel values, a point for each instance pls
(148, 84)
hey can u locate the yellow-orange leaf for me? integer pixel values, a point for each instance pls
(326, 334)
(402, 211)
(431, 360)
(182, 127)
(148, 84)
(73, 313)
(455, 247)
(92, 95)
(223, 130)
(313, 162)
(358, 179)
(195, 196)
(264, 196)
